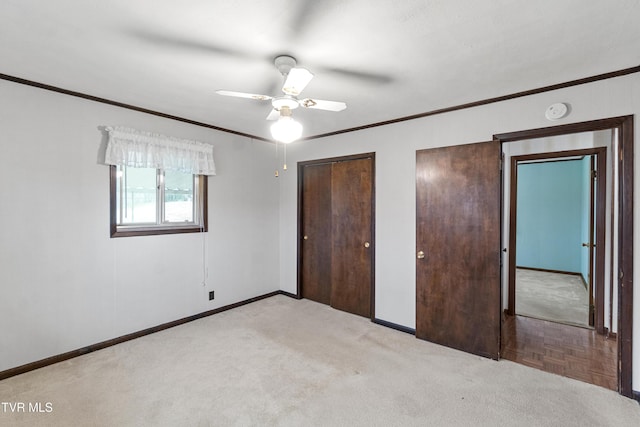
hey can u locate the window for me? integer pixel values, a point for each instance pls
(147, 201)
(158, 183)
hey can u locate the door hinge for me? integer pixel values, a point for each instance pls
(594, 174)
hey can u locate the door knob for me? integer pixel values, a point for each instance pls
(420, 255)
(366, 244)
(305, 237)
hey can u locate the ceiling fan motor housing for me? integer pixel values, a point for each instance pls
(285, 101)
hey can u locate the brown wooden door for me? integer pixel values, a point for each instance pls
(336, 231)
(316, 229)
(458, 230)
(351, 189)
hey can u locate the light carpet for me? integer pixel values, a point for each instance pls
(285, 362)
(552, 296)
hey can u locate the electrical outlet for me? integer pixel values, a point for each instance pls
(211, 295)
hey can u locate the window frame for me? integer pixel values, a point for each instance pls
(199, 225)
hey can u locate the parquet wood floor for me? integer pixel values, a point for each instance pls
(570, 351)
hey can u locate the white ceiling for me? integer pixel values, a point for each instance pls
(385, 58)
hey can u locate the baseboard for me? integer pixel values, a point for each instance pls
(546, 270)
(636, 396)
(584, 282)
(394, 326)
(104, 344)
(290, 295)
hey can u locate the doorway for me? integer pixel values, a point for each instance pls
(564, 346)
(336, 223)
(557, 236)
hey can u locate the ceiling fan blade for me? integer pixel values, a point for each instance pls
(244, 95)
(319, 104)
(297, 80)
(273, 115)
(182, 44)
(305, 14)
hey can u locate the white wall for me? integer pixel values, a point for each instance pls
(64, 283)
(395, 146)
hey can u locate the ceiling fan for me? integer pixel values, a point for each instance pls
(295, 80)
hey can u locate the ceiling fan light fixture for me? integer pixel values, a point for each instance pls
(286, 129)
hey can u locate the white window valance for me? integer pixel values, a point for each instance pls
(138, 149)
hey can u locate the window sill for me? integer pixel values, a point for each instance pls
(151, 231)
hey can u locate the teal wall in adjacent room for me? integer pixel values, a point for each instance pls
(550, 215)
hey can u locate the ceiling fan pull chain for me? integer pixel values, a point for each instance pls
(285, 158)
(277, 159)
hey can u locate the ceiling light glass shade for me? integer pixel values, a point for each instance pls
(286, 130)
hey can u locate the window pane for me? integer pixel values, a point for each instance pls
(136, 195)
(178, 197)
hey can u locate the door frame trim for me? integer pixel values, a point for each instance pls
(624, 126)
(301, 166)
(601, 153)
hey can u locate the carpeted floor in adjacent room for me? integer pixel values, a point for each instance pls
(556, 297)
